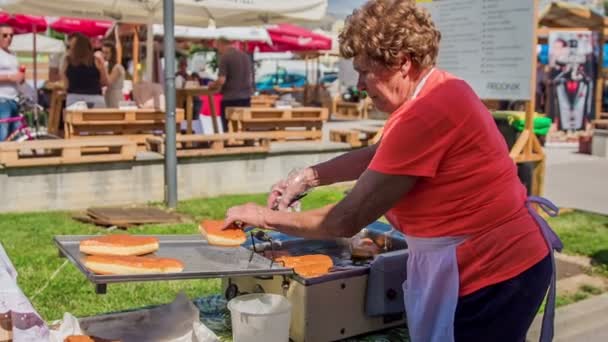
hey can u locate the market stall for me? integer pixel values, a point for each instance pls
(567, 17)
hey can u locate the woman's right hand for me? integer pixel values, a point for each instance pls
(286, 190)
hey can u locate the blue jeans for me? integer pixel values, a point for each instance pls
(8, 109)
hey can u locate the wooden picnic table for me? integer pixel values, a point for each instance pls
(278, 123)
(137, 124)
(59, 152)
(351, 110)
(185, 99)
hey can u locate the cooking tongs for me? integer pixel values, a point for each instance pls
(263, 236)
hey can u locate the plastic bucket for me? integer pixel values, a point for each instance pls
(260, 317)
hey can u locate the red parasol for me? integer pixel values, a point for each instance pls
(90, 28)
(287, 37)
(24, 23)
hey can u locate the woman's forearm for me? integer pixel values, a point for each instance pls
(310, 224)
(347, 167)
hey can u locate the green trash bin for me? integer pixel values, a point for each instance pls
(511, 124)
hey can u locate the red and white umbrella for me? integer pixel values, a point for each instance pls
(24, 23)
(90, 28)
(288, 37)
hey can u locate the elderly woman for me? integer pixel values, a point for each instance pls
(480, 258)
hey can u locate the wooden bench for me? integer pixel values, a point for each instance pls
(59, 152)
(199, 145)
(350, 110)
(280, 123)
(345, 136)
(356, 137)
(134, 124)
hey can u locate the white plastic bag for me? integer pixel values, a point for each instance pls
(26, 322)
(174, 322)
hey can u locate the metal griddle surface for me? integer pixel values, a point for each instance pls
(199, 258)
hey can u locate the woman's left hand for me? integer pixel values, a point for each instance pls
(249, 214)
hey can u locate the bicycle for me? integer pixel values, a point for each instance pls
(24, 132)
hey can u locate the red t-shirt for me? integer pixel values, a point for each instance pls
(467, 183)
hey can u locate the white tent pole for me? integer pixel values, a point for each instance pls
(149, 53)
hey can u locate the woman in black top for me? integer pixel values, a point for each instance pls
(84, 74)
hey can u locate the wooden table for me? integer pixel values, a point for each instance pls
(185, 99)
(351, 110)
(136, 124)
(59, 152)
(278, 123)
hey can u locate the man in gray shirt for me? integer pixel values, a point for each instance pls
(235, 78)
(10, 78)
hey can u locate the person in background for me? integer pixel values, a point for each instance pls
(235, 78)
(116, 77)
(181, 77)
(10, 79)
(204, 77)
(83, 73)
(57, 61)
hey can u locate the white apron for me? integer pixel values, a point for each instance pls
(432, 285)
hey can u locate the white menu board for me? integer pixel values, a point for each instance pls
(488, 43)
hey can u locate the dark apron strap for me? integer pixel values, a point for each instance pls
(553, 243)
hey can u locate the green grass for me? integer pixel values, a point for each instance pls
(27, 238)
(583, 293)
(584, 234)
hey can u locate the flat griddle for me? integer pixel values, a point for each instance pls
(200, 260)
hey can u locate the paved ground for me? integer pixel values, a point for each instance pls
(585, 321)
(573, 180)
(576, 180)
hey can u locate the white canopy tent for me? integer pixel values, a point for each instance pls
(187, 12)
(201, 13)
(244, 34)
(25, 43)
